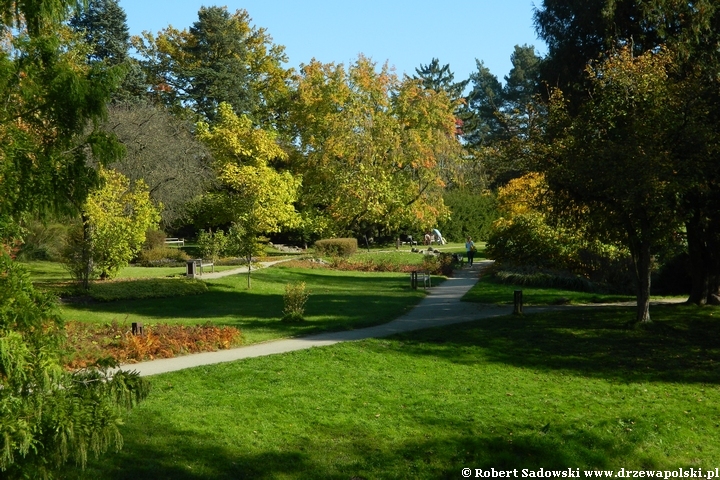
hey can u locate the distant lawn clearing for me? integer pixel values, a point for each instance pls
(338, 301)
(491, 291)
(557, 391)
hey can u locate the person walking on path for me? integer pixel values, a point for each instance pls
(470, 249)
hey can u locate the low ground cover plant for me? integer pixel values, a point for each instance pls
(88, 343)
(557, 391)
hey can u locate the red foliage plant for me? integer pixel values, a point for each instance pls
(87, 343)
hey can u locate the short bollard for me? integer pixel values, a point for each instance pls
(137, 329)
(518, 303)
(413, 280)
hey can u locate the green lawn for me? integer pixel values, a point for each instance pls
(45, 272)
(489, 290)
(557, 391)
(338, 301)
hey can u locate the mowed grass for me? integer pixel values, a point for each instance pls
(491, 291)
(338, 301)
(555, 390)
(51, 272)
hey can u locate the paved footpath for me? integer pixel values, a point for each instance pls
(441, 307)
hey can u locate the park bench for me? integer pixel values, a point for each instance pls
(196, 267)
(420, 276)
(175, 241)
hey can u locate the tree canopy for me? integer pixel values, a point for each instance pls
(372, 149)
(221, 58)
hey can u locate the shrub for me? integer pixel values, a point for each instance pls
(43, 241)
(535, 277)
(77, 256)
(472, 213)
(162, 256)
(154, 239)
(212, 245)
(146, 288)
(336, 247)
(295, 298)
(439, 265)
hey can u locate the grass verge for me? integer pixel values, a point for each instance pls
(555, 390)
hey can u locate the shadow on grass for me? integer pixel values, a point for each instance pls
(337, 302)
(682, 345)
(158, 451)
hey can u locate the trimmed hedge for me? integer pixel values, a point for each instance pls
(336, 247)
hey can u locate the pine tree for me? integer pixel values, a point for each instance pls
(104, 26)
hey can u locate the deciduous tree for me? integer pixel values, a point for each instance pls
(254, 197)
(49, 97)
(371, 148)
(612, 158)
(118, 214)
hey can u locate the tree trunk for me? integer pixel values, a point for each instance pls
(643, 267)
(699, 263)
(249, 262)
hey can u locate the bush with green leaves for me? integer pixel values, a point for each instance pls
(472, 213)
(50, 416)
(529, 241)
(154, 238)
(77, 255)
(295, 299)
(42, 240)
(336, 247)
(212, 245)
(162, 256)
(441, 264)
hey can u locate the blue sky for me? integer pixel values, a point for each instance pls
(405, 34)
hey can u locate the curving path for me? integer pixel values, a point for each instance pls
(441, 307)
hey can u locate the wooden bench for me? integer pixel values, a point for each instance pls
(175, 241)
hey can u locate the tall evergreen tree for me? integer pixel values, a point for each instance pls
(221, 58)
(440, 79)
(103, 24)
(500, 119)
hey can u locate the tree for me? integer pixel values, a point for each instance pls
(49, 97)
(373, 150)
(162, 151)
(50, 415)
(441, 79)
(620, 132)
(103, 25)
(501, 121)
(221, 58)
(580, 32)
(117, 217)
(254, 197)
